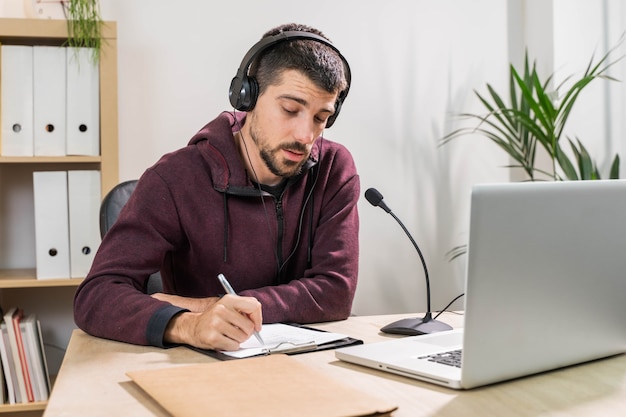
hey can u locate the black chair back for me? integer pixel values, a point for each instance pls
(110, 208)
(113, 203)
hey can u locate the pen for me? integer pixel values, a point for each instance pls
(230, 290)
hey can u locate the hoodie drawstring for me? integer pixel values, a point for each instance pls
(310, 243)
(225, 198)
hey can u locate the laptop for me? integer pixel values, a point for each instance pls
(545, 288)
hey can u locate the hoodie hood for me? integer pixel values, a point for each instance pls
(222, 159)
(215, 143)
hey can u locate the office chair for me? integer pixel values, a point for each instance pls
(109, 210)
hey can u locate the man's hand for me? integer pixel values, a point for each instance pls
(223, 326)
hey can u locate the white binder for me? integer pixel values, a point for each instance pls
(49, 100)
(52, 248)
(83, 103)
(16, 88)
(84, 215)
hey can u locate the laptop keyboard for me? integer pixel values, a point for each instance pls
(451, 358)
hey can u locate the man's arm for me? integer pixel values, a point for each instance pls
(195, 305)
(110, 303)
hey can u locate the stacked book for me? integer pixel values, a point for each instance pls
(24, 374)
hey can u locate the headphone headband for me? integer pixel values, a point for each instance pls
(244, 90)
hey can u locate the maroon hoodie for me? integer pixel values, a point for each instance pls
(195, 214)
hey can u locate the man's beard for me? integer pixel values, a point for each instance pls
(281, 167)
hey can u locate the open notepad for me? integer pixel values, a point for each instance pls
(288, 339)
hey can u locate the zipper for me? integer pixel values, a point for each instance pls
(279, 239)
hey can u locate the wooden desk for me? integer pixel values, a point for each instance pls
(92, 381)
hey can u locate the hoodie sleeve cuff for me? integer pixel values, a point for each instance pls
(158, 323)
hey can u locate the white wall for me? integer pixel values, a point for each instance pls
(414, 63)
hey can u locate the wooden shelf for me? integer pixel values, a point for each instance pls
(49, 159)
(33, 32)
(27, 278)
(22, 407)
(44, 31)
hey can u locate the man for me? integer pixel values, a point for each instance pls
(257, 195)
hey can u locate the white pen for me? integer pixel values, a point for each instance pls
(229, 290)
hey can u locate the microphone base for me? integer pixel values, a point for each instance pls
(415, 327)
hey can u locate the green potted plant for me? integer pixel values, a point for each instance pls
(536, 116)
(84, 25)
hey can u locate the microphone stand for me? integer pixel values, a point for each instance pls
(413, 326)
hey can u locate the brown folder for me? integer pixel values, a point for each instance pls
(274, 385)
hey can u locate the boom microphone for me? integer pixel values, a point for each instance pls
(412, 326)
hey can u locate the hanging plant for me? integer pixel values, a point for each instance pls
(84, 25)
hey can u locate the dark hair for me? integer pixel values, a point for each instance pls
(319, 62)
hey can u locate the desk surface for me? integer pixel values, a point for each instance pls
(92, 381)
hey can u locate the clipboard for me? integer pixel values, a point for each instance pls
(314, 340)
(345, 341)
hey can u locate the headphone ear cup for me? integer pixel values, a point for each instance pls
(331, 119)
(243, 93)
(338, 103)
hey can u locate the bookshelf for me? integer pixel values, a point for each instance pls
(49, 299)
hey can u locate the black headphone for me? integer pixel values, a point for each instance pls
(244, 90)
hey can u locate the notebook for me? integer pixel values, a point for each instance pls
(545, 287)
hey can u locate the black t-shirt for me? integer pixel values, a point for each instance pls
(275, 190)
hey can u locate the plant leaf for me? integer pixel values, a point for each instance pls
(614, 174)
(565, 164)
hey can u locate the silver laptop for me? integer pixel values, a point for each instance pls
(545, 287)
